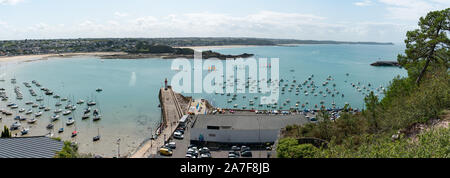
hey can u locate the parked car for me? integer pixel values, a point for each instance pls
(232, 155)
(245, 148)
(178, 135)
(246, 154)
(205, 155)
(204, 150)
(172, 145)
(235, 148)
(165, 151)
(190, 156)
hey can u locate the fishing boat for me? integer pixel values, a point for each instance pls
(70, 121)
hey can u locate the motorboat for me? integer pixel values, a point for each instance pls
(61, 130)
(24, 131)
(22, 110)
(54, 117)
(67, 112)
(58, 111)
(15, 126)
(70, 121)
(85, 116)
(80, 102)
(74, 133)
(50, 126)
(91, 103)
(97, 117)
(32, 121)
(38, 114)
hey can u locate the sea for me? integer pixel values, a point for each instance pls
(129, 102)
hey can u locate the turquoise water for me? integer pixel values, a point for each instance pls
(129, 100)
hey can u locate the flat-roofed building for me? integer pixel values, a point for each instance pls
(241, 129)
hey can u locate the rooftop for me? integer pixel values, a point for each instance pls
(29, 147)
(249, 122)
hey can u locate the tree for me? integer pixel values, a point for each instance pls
(426, 45)
(371, 104)
(289, 148)
(5, 133)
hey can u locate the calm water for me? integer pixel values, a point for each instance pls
(129, 100)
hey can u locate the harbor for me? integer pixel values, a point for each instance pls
(126, 93)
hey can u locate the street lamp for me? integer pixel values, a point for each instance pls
(118, 148)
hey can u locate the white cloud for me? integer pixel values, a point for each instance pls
(363, 3)
(120, 14)
(264, 24)
(10, 2)
(412, 9)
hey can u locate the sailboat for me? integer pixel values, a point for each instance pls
(97, 138)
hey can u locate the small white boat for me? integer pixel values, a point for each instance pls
(70, 121)
(55, 117)
(22, 110)
(58, 111)
(32, 121)
(29, 112)
(24, 131)
(80, 102)
(67, 112)
(38, 114)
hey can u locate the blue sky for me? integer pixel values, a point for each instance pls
(345, 20)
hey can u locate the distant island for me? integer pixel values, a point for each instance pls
(131, 45)
(386, 63)
(145, 50)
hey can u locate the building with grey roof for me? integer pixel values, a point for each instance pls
(29, 147)
(241, 129)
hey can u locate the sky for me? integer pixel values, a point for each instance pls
(341, 20)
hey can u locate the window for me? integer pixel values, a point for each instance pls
(213, 127)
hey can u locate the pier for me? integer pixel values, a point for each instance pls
(171, 111)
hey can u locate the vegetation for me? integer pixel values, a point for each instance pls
(69, 150)
(5, 133)
(383, 129)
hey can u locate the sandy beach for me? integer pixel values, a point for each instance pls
(28, 58)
